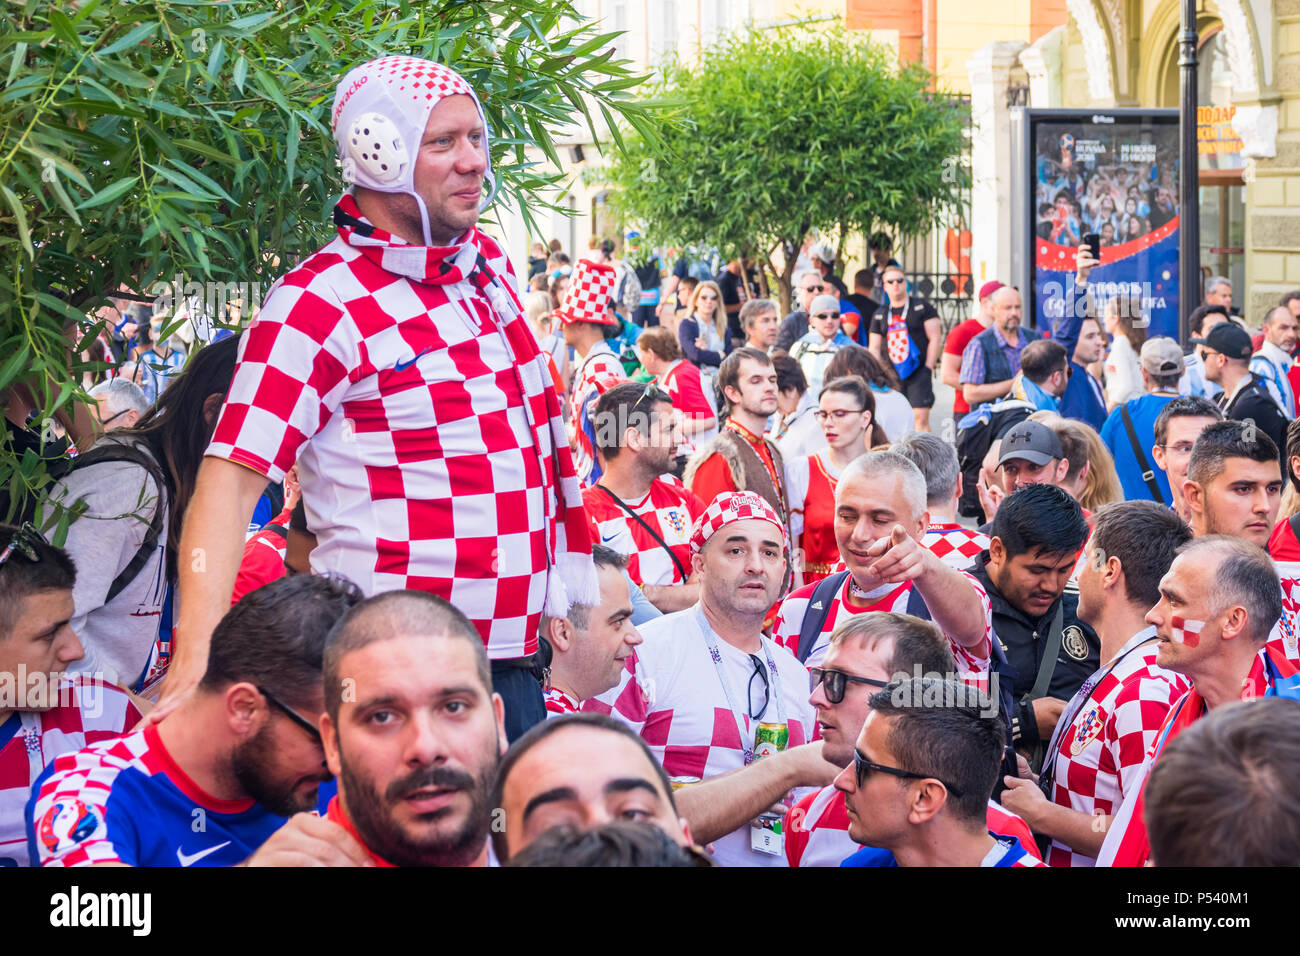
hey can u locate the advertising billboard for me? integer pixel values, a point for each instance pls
(1114, 173)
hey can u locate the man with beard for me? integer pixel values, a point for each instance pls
(413, 731)
(214, 781)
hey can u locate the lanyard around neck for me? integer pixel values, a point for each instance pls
(711, 640)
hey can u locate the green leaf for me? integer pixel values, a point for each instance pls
(241, 72)
(132, 39)
(11, 366)
(111, 192)
(20, 220)
(291, 149)
(64, 29)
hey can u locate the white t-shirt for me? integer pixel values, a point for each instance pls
(894, 413)
(1123, 373)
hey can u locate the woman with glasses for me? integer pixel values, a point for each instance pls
(845, 413)
(702, 334)
(893, 418)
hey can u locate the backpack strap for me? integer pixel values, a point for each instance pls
(1140, 457)
(1048, 665)
(119, 451)
(819, 605)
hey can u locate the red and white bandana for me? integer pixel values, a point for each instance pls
(731, 506)
(380, 112)
(586, 298)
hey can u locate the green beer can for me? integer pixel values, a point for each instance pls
(770, 738)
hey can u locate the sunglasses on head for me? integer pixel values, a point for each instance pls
(24, 542)
(835, 683)
(862, 766)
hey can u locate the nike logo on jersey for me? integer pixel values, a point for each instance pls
(606, 540)
(403, 366)
(195, 857)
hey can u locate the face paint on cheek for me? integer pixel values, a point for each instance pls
(1185, 631)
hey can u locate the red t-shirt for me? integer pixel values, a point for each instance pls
(955, 344)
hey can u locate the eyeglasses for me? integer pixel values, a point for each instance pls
(292, 714)
(105, 421)
(24, 541)
(862, 766)
(835, 683)
(838, 415)
(827, 315)
(759, 671)
(1182, 448)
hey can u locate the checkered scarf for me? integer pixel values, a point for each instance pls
(478, 260)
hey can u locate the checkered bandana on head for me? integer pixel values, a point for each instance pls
(380, 111)
(586, 299)
(729, 507)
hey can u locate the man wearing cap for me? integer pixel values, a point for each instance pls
(906, 333)
(706, 677)
(397, 367)
(1028, 454)
(588, 322)
(815, 350)
(958, 339)
(1130, 430)
(1226, 351)
(1272, 363)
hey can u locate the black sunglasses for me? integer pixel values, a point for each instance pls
(827, 315)
(862, 766)
(24, 541)
(760, 670)
(292, 714)
(836, 683)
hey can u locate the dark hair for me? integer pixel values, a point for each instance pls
(1224, 440)
(856, 360)
(1128, 315)
(620, 843)
(948, 730)
(1144, 536)
(864, 279)
(854, 386)
(275, 636)
(298, 517)
(52, 570)
(1184, 406)
(607, 246)
(1196, 319)
(917, 643)
(626, 405)
(880, 240)
(660, 342)
(178, 435)
(1226, 791)
(1292, 450)
(937, 460)
(1039, 517)
(789, 373)
(383, 616)
(729, 370)
(1290, 297)
(539, 732)
(580, 614)
(1041, 359)
(1246, 577)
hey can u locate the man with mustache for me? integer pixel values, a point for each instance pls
(413, 731)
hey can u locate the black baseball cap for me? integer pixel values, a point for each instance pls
(1032, 441)
(1228, 338)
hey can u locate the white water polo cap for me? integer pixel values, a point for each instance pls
(381, 109)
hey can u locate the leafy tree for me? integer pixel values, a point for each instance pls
(144, 141)
(781, 132)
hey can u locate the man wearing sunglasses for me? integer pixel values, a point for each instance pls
(923, 771)
(807, 286)
(212, 783)
(864, 655)
(815, 350)
(907, 334)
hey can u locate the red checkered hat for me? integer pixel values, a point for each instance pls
(586, 299)
(733, 506)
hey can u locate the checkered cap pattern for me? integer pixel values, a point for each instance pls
(954, 545)
(586, 298)
(731, 506)
(87, 776)
(1099, 757)
(670, 694)
(817, 830)
(95, 711)
(972, 663)
(418, 414)
(670, 509)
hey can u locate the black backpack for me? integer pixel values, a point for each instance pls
(975, 435)
(814, 618)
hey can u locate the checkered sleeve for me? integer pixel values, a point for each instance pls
(1140, 709)
(69, 817)
(789, 618)
(976, 658)
(972, 364)
(296, 360)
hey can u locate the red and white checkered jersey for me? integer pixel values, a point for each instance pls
(817, 830)
(670, 508)
(671, 695)
(559, 703)
(418, 461)
(89, 710)
(972, 662)
(954, 545)
(1285, 551)
(1099, 755)
(685, 386)
(597, 372)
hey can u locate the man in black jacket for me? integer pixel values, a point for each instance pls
(1036, 539)
(1227, 350)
